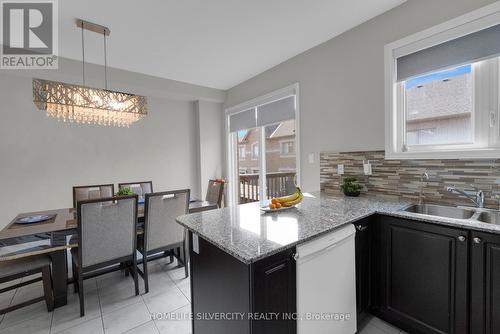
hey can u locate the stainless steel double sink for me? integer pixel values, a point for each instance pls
(475, 214)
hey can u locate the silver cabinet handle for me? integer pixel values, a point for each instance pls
(361, 228)
(461, 238)
(477, 240)
(295, 256)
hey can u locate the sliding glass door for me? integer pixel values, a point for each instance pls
(263, 148)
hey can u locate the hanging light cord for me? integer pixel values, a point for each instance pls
(83, 57)
(105, 62)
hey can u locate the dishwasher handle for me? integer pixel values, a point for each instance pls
(307, 257)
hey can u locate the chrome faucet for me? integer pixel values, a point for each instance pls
(423, 177)
(477, 198)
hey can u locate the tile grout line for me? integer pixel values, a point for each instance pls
(10, 303)
(154, 322)
(20, 321)
(100, 307)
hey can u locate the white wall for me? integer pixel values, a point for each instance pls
(41, 159)
(210, 134)
(341, 81)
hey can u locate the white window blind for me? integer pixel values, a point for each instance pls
(277, 111)
(467, 49)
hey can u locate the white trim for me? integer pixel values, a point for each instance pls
(232, 171)
(264, 99)
(479, 19)
(483, 14)
(262, 165)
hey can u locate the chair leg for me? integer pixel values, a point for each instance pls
(145, 268)
(135, 274)
(47, 288)
(127, 269)
(80, 295)
(75, 276)
(178, 256)
(184, 258)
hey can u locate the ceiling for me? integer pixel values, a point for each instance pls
(213, 43)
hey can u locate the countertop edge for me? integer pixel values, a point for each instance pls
(456, 223)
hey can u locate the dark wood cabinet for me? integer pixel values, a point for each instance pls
(485, 283)
(364, 267)
(275, 293)
(221, 284)
(424, 276)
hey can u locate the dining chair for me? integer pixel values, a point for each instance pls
(14, 269)
(107, 235)
(83, 193)
(161, 231)
(215, 191)
(138, 188)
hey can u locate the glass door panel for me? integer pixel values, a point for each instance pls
(280, 159)
(248, 162)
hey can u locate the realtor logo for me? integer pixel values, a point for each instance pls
(29, 34)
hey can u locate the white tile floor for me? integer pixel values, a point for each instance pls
(112, 307)
(378, 326)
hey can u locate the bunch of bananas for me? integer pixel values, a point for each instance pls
(287, 201)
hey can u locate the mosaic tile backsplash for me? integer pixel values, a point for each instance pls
(401, 178)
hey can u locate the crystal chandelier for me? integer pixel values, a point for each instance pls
(82, 104)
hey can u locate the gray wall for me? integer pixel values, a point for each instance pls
(342, 81)
(210, 132)
(41, 159)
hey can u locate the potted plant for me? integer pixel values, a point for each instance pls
(351, 187)
(124, 192)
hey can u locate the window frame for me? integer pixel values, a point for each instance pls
(253, 147)
(486, 77)
(242, 148)
(231, 139)
(286, 155)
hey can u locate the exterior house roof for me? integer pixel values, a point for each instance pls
(284, 129)
(440, 99)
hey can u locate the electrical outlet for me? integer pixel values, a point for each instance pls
(340, 169)
(367, 168)
(311, 158)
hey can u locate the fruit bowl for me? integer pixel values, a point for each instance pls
(285, 202)
(266, 208)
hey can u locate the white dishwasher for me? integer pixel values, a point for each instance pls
(326, 284)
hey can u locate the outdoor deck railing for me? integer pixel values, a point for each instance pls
(276, 184)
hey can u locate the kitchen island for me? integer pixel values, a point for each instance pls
(242, 261)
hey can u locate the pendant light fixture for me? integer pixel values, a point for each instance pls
(82, 104)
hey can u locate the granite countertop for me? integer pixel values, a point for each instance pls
(249, 235)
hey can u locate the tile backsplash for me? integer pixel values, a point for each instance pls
(401, 178)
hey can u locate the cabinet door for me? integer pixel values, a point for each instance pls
(219, 285)
(485, 283)
(424, 276)
(364, 277)
(275, 293)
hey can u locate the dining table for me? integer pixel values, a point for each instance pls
(52, 237)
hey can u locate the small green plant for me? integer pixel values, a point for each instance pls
(124, 192)
(350, 185)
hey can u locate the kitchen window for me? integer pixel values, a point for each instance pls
(442, 91)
